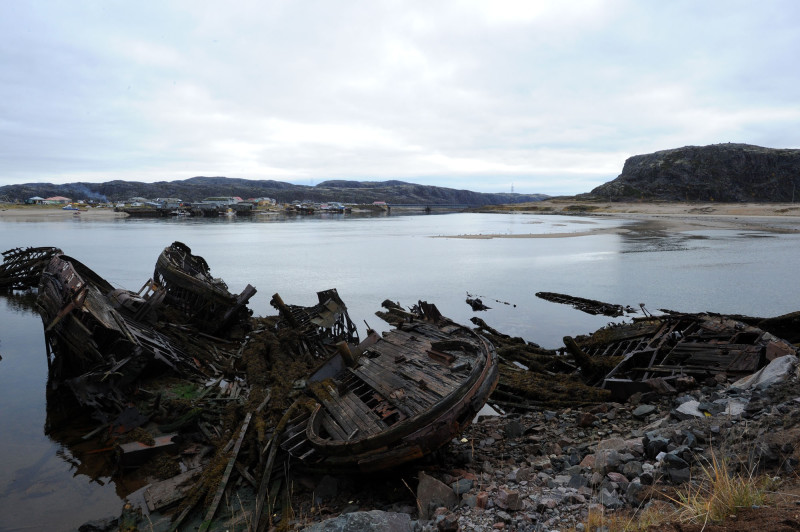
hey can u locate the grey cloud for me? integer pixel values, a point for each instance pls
(550, 97)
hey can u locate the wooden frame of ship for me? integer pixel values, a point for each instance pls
(394, 398)
(191, 287)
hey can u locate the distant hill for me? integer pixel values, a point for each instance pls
(197, 188)
(719, 172)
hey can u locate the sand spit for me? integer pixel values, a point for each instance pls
(37, 213)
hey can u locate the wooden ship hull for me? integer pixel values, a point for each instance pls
(395, 398)
(191, 288)
(656, 351)
(95, 341)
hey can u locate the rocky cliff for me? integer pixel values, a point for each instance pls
(720, 172)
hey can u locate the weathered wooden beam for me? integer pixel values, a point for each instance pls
(223, 483)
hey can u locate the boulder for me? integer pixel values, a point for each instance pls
(431, 494)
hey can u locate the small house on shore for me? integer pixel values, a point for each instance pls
(57, 200)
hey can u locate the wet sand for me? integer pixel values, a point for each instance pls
(672, 217)
(34, 213)
(663, 216)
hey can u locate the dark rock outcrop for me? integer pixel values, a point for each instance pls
(720, 172)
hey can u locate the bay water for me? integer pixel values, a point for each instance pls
(45, 482)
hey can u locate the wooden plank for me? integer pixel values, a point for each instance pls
(378, 374)
(410, 372)
(357, 417)
(420, 358)
(335, 411)
(226, 475)
(333, 428)
(386, 391)
(367, 420)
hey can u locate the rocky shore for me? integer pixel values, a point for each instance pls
(575, 468)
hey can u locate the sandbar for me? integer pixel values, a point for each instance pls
(667, 217)
(36, 213)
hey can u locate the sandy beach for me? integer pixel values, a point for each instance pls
(660, 216)
(663, 216)
(33, 213)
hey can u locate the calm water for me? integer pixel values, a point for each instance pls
(43, 482)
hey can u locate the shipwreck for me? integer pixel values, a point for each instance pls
(181, 368)
(395, 397)
(190, 286)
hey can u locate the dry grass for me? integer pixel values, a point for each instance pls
(719, 494)
(715, 497)
(639, 521)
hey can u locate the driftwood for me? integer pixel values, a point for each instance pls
(589, 306)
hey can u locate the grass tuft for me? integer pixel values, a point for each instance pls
(719, 494)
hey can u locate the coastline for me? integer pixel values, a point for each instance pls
(673, 217)
(32, 213)
(663, 216)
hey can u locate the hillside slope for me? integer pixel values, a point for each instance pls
(719, 172)
(197, 188)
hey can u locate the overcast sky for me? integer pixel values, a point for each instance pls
(545, 96)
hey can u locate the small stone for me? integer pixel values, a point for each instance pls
(609, 499)
(619, 478)
(433, 493)
(508, 499)
(513, 429)
(469, 500)
(461, 486)
(447, 523)
(481, 500)
(606, 460)
(679, 476)
(588, 461)
(586, 419)
(636, 493)
(642, 411)
(673, 461)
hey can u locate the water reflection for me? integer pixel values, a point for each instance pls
(654, 236)
(49, 477)
(20, 302)
(368, 260)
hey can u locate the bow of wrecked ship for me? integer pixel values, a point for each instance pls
(193, 401)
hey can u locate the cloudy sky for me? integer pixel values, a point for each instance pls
(545, 96)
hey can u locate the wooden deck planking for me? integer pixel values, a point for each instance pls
(336, 432)
(410, 406)
(395, 381)
(336, 412)
(367, 420)
(412, 373)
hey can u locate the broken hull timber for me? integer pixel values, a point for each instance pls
(408, 394)
(675, 345)
(97, 350)
(191, 288)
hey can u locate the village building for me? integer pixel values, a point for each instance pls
(57, 200)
